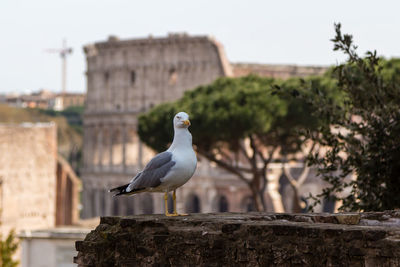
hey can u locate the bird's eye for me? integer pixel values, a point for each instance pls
(178, 117)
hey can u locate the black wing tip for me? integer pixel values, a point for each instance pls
(122, 190)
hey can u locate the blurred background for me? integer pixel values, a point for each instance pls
(77, 75)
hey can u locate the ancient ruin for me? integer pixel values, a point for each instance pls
(38, 189)
(127, 77)
(252, 239)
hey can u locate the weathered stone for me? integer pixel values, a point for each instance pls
(387, 222)
(370, 222)
(109, 220)
(38, 189)
(238, 240)
(350, 219)
(230, 228)
(302, 219)
(126, 222)
(324, 218)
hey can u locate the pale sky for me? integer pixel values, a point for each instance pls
(280, 32)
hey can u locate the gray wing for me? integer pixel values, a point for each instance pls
(157, 168)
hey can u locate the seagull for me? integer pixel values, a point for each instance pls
(168, 170)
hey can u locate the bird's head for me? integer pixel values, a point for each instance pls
(181, 120)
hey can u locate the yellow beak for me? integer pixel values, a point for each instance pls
(186, 122)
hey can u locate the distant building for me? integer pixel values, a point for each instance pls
(58, 243)
(128, 77)
(44, 99)
(12, 100)
(38, 188)
(276, 71)
(40, 99)
(66, 100)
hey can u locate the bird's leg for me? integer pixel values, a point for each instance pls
(174, 199)
(166, 206)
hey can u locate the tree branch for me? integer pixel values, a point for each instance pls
(255, 150)
(225, 155)
(225, 166)
(244, 151)
(266, 162)
(271, 155)
(243, 169)
(289, 176)
(304, 175)
(306, 170)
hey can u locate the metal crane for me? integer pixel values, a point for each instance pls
(64, 51)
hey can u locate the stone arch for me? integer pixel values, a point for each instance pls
(192, 204)
(221, 204)
(95, 148)
(105, 157)
(304, 191)
(106, 77)
(129, 205)
(173, 76)
(92, 202)
(329, 205)
(99, 146)
(146, 204)
(102, 198)
(115, 207)
(131, 149)
(247, 204)
(117, 150)
(118, 206)
(132, 77)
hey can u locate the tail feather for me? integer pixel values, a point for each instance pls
(121, 190)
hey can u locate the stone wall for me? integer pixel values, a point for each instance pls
(133, 75)
(276, 71)
(125, 78)
(252, 239)
(28, 158)
(38, 188)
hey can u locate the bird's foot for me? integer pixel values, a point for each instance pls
(181, 214)
(175, 214)
(171, 214)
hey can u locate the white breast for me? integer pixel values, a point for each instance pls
(182, 171)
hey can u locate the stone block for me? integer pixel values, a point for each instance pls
(351, 219)
(238, 240)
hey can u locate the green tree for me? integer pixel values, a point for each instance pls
(7, 249)
(291, 131)
(238, 123)
(362, 138)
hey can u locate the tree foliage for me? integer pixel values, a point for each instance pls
(7, 249)
(238, 123)
(363, 135)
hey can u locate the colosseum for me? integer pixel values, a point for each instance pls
(128, 77)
